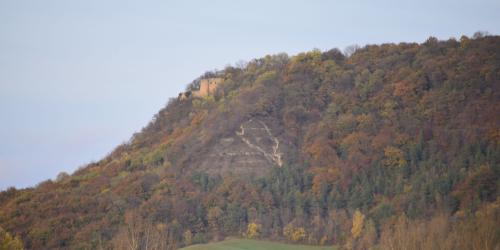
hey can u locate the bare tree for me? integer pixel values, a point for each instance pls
(351, 49)
(141, 233)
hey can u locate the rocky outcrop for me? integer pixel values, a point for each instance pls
(253, 149)
(272, 154)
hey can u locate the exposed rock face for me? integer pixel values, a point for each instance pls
(253, 149)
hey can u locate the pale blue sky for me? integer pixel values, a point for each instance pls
(78, 78)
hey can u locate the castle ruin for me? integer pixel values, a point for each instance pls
(208, 86)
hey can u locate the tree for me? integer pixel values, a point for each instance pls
(357, 224)
(351, 49)
(295, 234)
(253, 230)
(299, 234)
(369, 235)
(188, 237)
(394, 157)
(288, 231)
(392, 129)
(214, 218)
(8, 242)
(139, 233)
(62, 176)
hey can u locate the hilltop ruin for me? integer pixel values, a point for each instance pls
(208, 86)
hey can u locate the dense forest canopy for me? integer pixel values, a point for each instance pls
(392, 145)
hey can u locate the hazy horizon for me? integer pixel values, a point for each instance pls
(79, 78)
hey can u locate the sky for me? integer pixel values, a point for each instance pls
(78, 78)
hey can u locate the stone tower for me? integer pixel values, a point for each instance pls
(208, 87)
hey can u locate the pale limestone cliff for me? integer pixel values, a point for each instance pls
(252, 149)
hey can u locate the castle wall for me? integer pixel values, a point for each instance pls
(207, 87)
(204, 89)
(213, 83)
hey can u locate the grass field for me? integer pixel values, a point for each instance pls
(243, 244)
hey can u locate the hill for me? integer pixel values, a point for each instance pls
(394, 144)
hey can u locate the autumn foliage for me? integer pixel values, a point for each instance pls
(395, 146)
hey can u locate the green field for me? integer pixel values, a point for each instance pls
(243, 244)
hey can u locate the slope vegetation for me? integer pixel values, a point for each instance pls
(393, 142)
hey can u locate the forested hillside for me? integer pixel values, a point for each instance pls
(395, 146)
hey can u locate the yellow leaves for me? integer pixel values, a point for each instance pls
(288, 230)
(310, 56)
(310, 60)
(394, 157)
(366, 122)
(299, 234)
(253, 230)
(293, 233)
(161, 227)
(9, 242)
(357, 223)
(188, 237)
